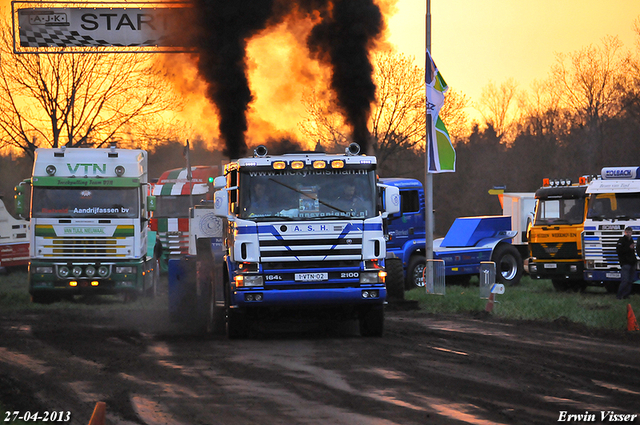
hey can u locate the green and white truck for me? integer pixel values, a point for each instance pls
(88, 233)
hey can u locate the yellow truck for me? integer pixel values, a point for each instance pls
(555, 244)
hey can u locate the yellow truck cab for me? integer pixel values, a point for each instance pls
(555, 243)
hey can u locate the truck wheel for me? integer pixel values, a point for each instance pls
(509, 266)
(395, 279)
(372, 321)
(39, 298)
(236, 324)
(415, 272)
(612, 287)
(560, 285)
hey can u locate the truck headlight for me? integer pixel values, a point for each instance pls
(369, 277)
(90, 271)
(63, 271)
(44, 269)
(533, 268)
(253, 280)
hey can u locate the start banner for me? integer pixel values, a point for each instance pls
(102, 27)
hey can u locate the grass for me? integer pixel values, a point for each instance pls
(531, 300)
(535, 300)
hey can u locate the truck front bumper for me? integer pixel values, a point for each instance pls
(256, 297)
(572, 270)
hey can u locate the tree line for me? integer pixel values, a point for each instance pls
(584, 116)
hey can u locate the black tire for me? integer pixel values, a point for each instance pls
(236, 324)
(372, 321)
(40, 298)
(611, 287)
(509, 268)
(560, 285)
(204, 296)
(415, 272)
(395, 279)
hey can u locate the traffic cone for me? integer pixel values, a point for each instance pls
(632, 323)
(489, 307)
(99, 414)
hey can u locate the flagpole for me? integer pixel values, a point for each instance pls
(428, 181)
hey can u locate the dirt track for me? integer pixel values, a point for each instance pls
(426, 369)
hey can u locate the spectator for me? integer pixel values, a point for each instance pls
(626, 250)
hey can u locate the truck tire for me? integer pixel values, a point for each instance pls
(612, 287)
(40, 298)
(372, 321)
(395, 279)
(415, 272)
(560, 285)
(203, 321)
(509, 266)
(236, 324)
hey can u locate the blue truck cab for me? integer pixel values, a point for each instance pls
(469, 241)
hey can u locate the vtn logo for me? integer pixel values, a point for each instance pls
(95, 168)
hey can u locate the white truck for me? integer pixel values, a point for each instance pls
(287, 232)
(88, 224)
(14, 243)
(614, 204)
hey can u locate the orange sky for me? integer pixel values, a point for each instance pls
(474, 42)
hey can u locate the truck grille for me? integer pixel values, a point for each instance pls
(557, 251)
(600, 247)
(286, 249)
(84, 247)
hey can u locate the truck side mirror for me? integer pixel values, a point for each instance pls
(391, 200)
(221, 204)
(219, 182)
(151, 203)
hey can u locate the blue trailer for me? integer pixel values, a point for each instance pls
(469, 241)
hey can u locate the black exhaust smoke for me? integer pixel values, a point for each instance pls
(342, 39)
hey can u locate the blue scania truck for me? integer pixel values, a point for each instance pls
(301, 231)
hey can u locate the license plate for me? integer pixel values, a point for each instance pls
(311, 277)
(613, 275)
(551, 266)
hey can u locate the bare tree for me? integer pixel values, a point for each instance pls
(590, 80)
(591, 83)
(398, 117)
(498, 106)
(78, 99)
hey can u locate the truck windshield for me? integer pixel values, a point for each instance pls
(620, 206)
(560, 211)
(314, 194)
(175, 206)
(85, 202)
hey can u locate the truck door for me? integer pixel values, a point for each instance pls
(409, 223)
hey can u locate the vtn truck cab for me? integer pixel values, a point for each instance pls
(555, 238)
(299, 231)
(88, 224)
(469, 241)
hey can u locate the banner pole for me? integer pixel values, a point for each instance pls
(428, 181)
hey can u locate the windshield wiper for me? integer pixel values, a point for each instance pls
(307, 195)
